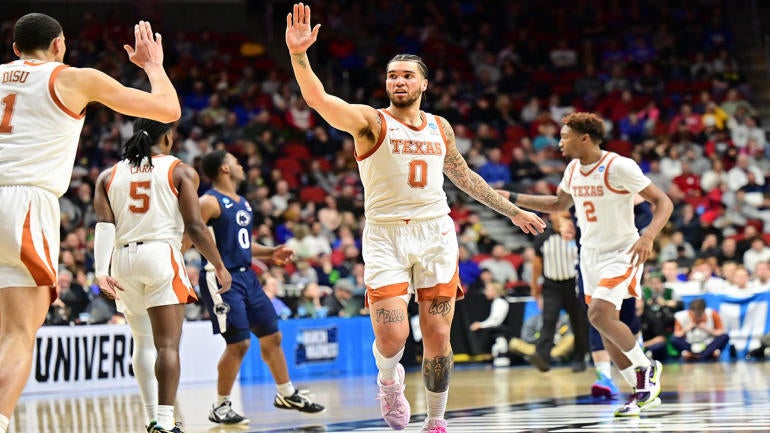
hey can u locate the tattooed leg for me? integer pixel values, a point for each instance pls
(436, 372)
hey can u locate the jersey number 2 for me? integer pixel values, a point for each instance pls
(5, 123)
(139, 192)
(418, 173)
(590, 211)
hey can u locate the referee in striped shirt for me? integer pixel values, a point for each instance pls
(556, 255)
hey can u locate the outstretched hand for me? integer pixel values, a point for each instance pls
(148, 48)
(529, 222)
(299, 36)
(282, 254)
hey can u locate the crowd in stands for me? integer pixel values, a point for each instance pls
(663, 75)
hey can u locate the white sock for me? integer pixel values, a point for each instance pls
(605, 368)
(637, 357)
(629, 374)
(436, 404)
(222, 399)
(386, 366)
(4, 423)
(143, 362)
(286, 389)
(166, 416)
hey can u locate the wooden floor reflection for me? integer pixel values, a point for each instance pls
(697, 397)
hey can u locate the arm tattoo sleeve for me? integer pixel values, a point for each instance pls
(457, 170)
(436, 372)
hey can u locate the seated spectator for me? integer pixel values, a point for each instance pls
(761, 280)
(502, 270)
(740, 284)
(494, 172)
(342, 302)
(309, 304)
(494, 335)
(564, 339)
(670, 251)
(759, 252)
(468, 269)
(272, 288)
(699, 333)
(304, 274)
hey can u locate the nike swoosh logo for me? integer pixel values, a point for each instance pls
(229, 205)
(294, 403)
(444, 233)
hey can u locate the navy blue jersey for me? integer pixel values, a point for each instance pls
(232, 230)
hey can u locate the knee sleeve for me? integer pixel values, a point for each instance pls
(144, 356)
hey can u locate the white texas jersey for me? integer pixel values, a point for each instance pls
(403, 175)
(603, 193)
(38, 134)
(144, 202)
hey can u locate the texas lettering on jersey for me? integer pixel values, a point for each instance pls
(411, 147)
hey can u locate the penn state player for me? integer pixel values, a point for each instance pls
(245, 309)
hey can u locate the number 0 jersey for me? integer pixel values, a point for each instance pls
(403, 175)
(144, 202)
(232, 230)
(604, 199)
(38, 134)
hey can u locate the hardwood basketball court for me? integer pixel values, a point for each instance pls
(696, 398)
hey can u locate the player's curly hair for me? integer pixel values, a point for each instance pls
(411, 58)
(146, 133)
(586, 123)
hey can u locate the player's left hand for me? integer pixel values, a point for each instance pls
(528, 222)
(282, 254)
(640, 250)
(109, 286)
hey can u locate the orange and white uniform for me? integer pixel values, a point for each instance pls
(603, 194)
(409, 241)
(147, 259)
(38, 142)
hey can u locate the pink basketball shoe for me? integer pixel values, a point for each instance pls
(434, 426)
(393, 403)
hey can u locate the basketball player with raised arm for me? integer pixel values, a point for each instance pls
(143, 205)
(409, 242)
(42, 107)
(602, 186)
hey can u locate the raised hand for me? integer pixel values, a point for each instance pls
(529, 222)
(282, 254)
(148, 49)
(299, 36)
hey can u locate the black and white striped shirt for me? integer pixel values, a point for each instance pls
(559, 256)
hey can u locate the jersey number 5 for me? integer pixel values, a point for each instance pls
(590, 211)
(140, 192)
(5, 122)
(418, 173)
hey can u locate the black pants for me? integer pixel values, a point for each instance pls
(558, 295)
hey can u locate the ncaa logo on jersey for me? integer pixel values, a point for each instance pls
(242, 218)
(601, 169)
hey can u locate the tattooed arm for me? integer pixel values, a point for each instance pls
(457, 170)
(361, 121)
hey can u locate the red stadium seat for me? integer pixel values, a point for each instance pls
(315, 194)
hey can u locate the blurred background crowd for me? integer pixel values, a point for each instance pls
(666, 76)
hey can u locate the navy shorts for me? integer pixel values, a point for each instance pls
(244, 308)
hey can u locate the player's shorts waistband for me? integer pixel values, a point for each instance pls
(138, 243)
(405, 221)
(132, 243)
(238, 269)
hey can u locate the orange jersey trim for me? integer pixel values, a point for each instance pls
(607, 179)
(611, 283)
(598, 163)
(112, 177)
(380, 139)
(171, 177)
(374, 295)
(41, 271)
(452, 289)
(183, 292)
(55, 97)
(443, 135)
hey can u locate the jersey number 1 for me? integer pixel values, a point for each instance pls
(5, 123)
